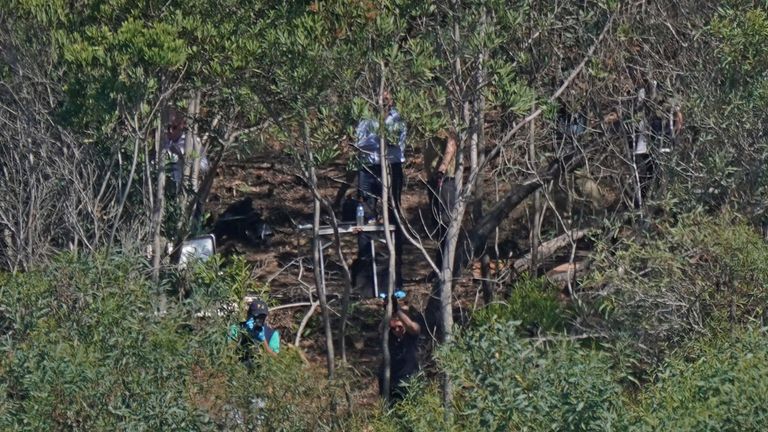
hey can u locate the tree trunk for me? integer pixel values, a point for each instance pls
(548, 248)
(478, 235)
(534, 217)
(488, 285)
(386, 187)
(317, 251)
(157, 216)
(124, 197)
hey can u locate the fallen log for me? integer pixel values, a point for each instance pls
(549, 247)
(561, 274)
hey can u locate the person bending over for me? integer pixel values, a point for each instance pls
(403, 352)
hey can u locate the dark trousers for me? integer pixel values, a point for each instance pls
(370, 190)
(441, 200)
(646, 175)
(397, 387)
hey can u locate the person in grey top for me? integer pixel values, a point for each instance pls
(369, 184)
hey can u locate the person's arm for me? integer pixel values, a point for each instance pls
(271, 345)
(268, 348)
(175, 147)
(449, 154)
(367, 139)
(411, 327)
(403, 135)
(369, 144)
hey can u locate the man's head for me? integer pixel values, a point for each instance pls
(397, 327)
(258, 311)
(387, 99)
(176, 125)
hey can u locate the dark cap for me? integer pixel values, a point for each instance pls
(257, 308)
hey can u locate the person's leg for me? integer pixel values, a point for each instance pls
(398, 391)
(639, 181)
(369, 187)
(645, 175)
(380, 377)
(369, 190)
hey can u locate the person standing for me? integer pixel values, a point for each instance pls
(180, 145)
(643, 163)
(440, 169)
(369, 176)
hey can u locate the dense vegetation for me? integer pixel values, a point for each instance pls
(83, 348)
(662, 329)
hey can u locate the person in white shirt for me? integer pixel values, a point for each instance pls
(644, 165)
(176, 145)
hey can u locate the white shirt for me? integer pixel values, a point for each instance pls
(176, 149)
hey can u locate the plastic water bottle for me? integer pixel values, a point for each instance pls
(360, 214)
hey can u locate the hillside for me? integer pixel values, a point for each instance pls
(597, 169)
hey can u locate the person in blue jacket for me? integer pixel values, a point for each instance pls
(254, 332)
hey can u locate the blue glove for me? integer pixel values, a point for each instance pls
(260, 336)
(398, 295)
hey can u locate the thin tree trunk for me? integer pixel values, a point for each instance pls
(127, 190)
(317, 251)
(488, 285)
(157, 216)
(456, 215)
(385, 193)
(534, 220)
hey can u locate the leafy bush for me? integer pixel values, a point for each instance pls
(83, 349)
(658, 288)
(533, 302)
(503, 382)
(715, 385)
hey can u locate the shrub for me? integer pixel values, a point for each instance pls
(83, 349)
(503, 382)
(659, 288)
(714, 385)
(533, 302)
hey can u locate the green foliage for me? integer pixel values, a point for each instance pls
(507, 383)
(718, 384)
(503, 382)
(84, 349)
(693, 274)
(726, 102)
(532, 302)
(743, 52)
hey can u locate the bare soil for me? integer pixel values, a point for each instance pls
(285, 263)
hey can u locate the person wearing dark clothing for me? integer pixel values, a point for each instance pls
(254, 332)
(655, 127)
(403, 353)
